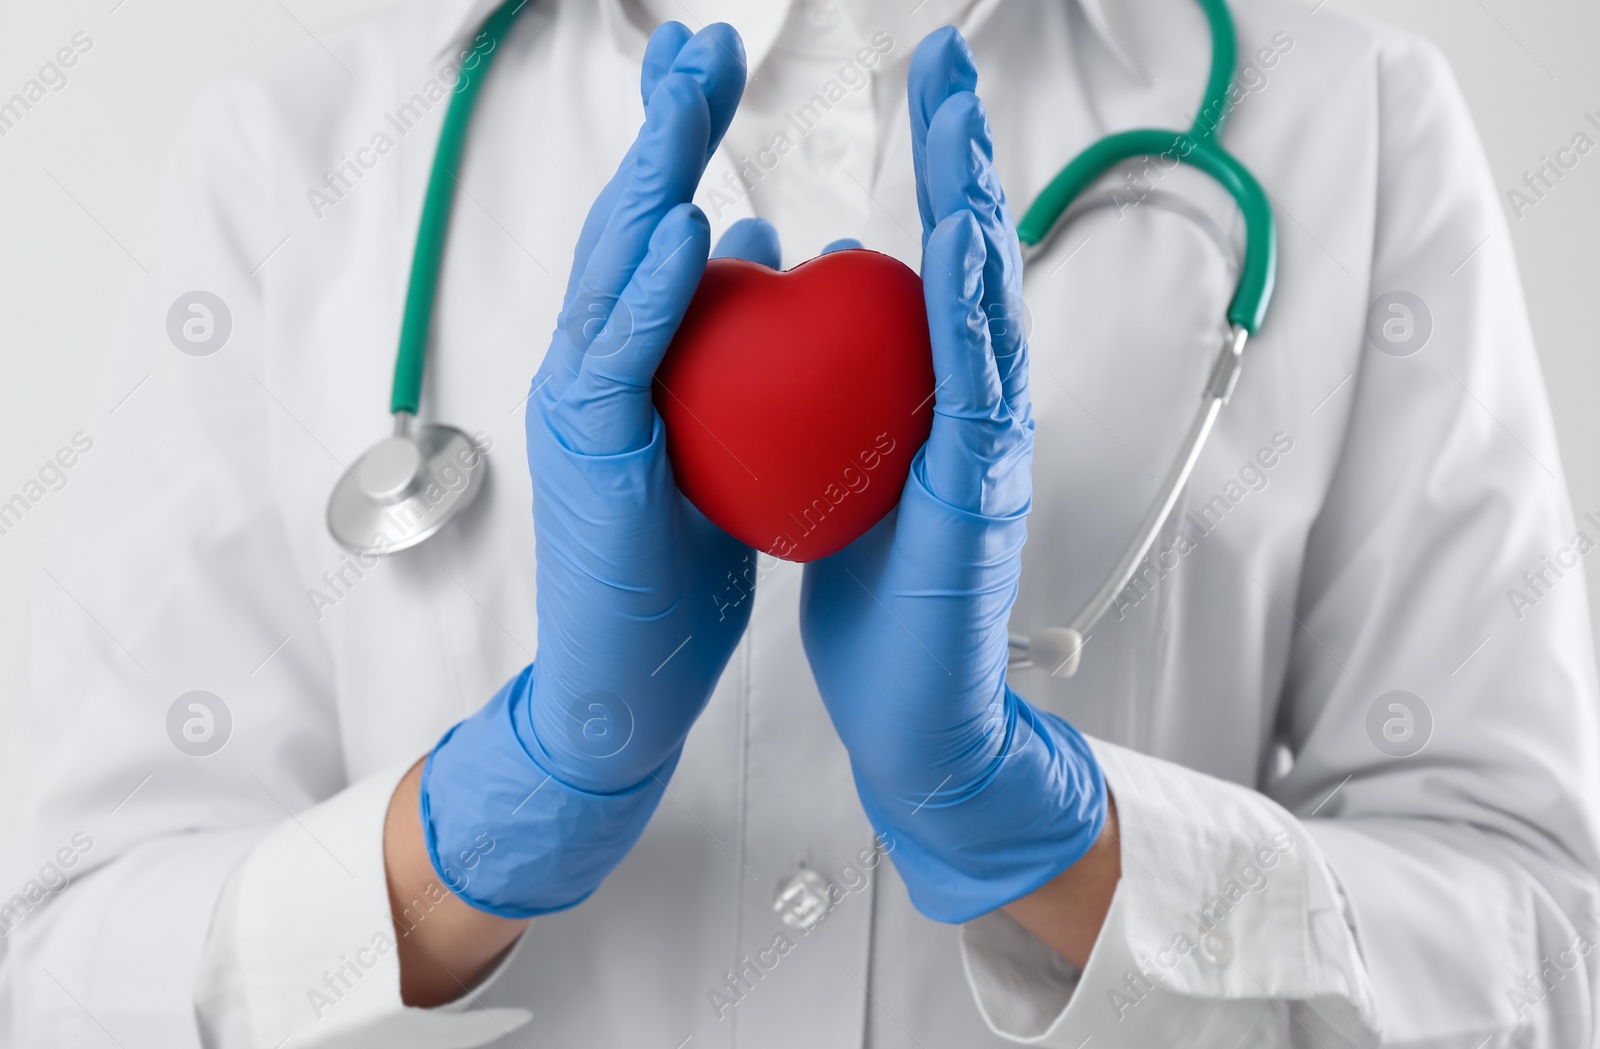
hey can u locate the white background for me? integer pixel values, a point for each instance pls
(77, 179)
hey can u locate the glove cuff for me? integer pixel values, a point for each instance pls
(508, 837)
(964, 854)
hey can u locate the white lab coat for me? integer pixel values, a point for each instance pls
(1353, 530)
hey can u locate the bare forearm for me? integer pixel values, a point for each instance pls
(1067, 913)
(444, 944)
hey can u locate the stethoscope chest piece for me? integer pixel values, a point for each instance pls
(405, 488)
(408, 486)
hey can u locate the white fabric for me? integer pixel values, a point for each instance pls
(1410, 900)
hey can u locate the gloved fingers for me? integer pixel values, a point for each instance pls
(961, 174)
(659, 54)
(842, 244)
(967, 384)
(714, 59)
(607, 409)
(971, 449)
(755, 240)
(665, 170)
(941, 66)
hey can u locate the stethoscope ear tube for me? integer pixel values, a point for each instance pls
(1045, 648)
(1060, 648)
(1245, 313)
(1256, 276)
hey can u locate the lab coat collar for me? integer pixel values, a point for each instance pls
(447, 23)
(450, 23)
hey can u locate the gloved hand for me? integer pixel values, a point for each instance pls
(528, 804)
(985, 797)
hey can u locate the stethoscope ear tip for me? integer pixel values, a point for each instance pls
(1055, 649)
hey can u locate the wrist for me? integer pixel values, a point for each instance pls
(1067, 912)
(511, 838)
(443, 956)
(1038, 808)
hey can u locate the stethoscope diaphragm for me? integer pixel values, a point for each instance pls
(405, 488)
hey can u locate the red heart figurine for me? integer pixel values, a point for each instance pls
(794, 401)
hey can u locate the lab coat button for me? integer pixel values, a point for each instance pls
(802, 900)
(1216, 947)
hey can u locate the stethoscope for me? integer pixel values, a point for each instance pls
(412, 483)
(409, 485)
(1060, 648)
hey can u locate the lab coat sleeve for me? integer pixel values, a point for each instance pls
(334, 979)
(1445, 897)
(167, 579)
(182, 716)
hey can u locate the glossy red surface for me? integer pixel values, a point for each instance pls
(794, 401)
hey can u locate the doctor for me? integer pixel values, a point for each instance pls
(1327, 776)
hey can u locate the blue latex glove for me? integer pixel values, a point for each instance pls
(985, 798)
(528, 804)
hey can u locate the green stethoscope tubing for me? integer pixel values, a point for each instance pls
(1197, 147)
(428, 260)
